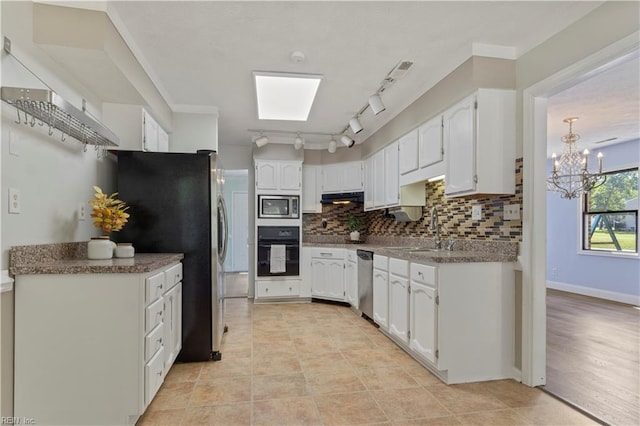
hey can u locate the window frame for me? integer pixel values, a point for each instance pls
(584, 213)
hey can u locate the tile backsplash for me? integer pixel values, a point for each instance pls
(454, 213)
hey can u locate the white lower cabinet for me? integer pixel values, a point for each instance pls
(380, 291)
(399, 298)
(327, 274)
(94, 348)
(459, 317)
(423, 315)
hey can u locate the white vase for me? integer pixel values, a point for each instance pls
(100, 248)
(355, 235)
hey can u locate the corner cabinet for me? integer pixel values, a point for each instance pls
(479, 138)
(278, 176)
(94, 348)
(327, 274)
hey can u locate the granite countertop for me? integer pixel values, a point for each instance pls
(71, 258)
(468, 252)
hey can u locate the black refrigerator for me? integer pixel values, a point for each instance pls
(176, 206)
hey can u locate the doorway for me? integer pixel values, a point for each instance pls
(236, 264)
(535, 307)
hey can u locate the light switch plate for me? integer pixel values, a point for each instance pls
(511, 211)
(476, 212)
(14, 201)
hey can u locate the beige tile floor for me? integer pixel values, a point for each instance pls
(320, 364)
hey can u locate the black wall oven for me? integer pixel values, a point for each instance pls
(288, 236)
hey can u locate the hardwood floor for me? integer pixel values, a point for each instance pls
(593, 356)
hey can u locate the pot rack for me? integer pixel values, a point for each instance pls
(46, 107)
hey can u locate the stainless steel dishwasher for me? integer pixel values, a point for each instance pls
(365, 282)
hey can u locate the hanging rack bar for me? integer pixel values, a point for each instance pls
(47, 106)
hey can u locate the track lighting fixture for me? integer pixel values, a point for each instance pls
(332, 146)
(376, 104)
(355, 125)
(261, 141)
(346, 140)
(298, 142)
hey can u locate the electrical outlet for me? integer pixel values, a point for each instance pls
(511, 211)
(82, 211)
(476, 212)
(14, 201)
(554, 272)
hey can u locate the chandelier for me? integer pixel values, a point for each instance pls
(570, 175)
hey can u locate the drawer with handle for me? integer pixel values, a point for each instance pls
(154, 287)
(153, 376)
(424, 274)
(153, 315)
(278, 288)
(153, 341)
(327, 253)
(173, 275)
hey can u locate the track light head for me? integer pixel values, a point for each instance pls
(332, 146)
(261, 141)
(298, 142)
(347, 141)
(355, 125)
(376, 104)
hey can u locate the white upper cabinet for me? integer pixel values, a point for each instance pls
(431, 149)
(378, 179)
(278, 176)
(408, 152)
(135, 127)
(343, 177)
(460, 140)
(311, 191)
(479, 140)
(426, 155)
(368, 184)
(391, 175)
(290, 176)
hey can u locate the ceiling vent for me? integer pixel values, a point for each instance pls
(400, 70)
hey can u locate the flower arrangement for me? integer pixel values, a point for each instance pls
(108, 213)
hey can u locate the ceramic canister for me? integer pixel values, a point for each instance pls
(100, 248)
(125, 250)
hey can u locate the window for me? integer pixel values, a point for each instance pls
(610, 214)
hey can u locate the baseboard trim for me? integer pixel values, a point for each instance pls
(595, 292)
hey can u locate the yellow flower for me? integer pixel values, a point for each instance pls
(108, 213)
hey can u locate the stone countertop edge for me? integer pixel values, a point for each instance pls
(71, 258)
(454, 256)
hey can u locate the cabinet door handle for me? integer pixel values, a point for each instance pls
(159, 340)
(420, 274)
(160, 373)
(160, 286)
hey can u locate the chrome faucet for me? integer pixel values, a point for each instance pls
(435, 226)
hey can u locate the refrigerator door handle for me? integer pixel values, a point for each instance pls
(222, 217)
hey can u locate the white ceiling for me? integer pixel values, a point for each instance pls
(607, 105)
(203, 53)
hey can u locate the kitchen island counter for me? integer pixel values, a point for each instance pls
(71, 258)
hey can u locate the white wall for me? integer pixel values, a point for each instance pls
(194, 131)
(53, 177)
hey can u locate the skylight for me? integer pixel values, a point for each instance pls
(285, 96)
